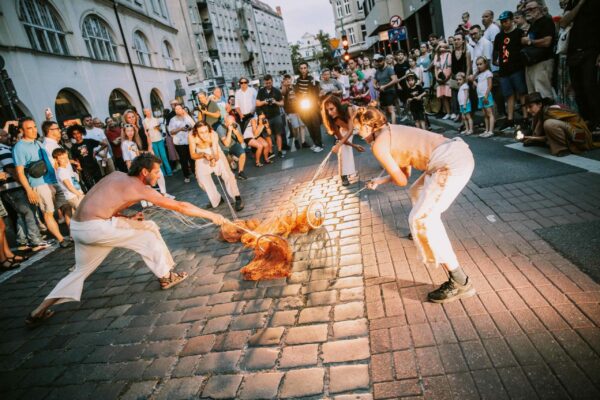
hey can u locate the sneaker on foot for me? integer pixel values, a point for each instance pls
(169, 196)
(317, 149)
(186, 180)
(447, 116)
(450, 291)
(242, 176)
(453, 117)
(486, 134)
(65, 244)
(345, 181)
(239, 204)
(271, 157)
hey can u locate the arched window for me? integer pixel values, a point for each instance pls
(118, 102)
(69, 106)
(141, 48)
(167, 53)
(43, 27)
(156, 102)
(99, 42)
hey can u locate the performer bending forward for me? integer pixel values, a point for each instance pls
(447, 165)
(97, 228)
(337, 118)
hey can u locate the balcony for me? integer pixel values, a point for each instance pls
(207, 27)
(213, 53)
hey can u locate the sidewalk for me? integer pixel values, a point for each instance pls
(350, 323)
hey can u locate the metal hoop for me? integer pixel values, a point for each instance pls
(315, 214)
(268, 237)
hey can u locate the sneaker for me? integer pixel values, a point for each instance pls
(313, 147)
(345, 181)
(40, 246)
(463, 132)
(209, 205)
(186, 180)
(169, 196)
(297, 144)
(242, 176)
(453, 117)
(272, 156)
(468, 133)
(486, 134)
(447, 116)
(281, 154)
(65, 244)
(450, 291)
(317, 149)
(239, 204)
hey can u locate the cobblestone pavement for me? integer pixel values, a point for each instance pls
(350, 323)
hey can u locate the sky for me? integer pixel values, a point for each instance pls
(301, 16)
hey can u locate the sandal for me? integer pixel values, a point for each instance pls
(260, 165)
(35, 321)
(173, 279)
(9, 264)
(18, 258)
(268, 162)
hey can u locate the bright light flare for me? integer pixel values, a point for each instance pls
(519, 135)
(305, 104)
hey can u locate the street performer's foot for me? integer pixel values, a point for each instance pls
(172, 279)
(451, 290)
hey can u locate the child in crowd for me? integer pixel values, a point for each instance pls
(415, 100)
(68, 181)
(130, 144)
(484, 93)
(465, 103)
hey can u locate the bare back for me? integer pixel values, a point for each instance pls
(114, 193)
(408, 146)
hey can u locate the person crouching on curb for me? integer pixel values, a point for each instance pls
(234, 146)
(210, 159)
(447, 165)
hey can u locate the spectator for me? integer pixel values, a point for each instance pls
(343, 79)
(8, 260)
(113, 135)
(245, 102)
(179, 127)
(254, 137)
(484, 93)
(329, 86)
(217, 97)
(481, 48)
(13, 195)
(98, 123)
(414, 100)
(433, 43)
(461, 62)
(424, 61)
(84, 151)
(208, 110)
(369, 74)
(103, 157)
(443, 72)
(507, 54)
(354, 67)
(234, 146)
(152, 127)
(416, 70)
(491, 29)
(209, 158)
(401, 67)
(561, 129)
(583, 57)
(132, 117)
(130, 144)
(537, 54)
(521, 22)
(269, 101)
(464, 103)
(359, 91)
(466, 24)
(68, 180)
(307, 104)
(36, 175)
(289, 106)
(385, 81)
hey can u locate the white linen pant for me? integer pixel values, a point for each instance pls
(346, 160)
(449, 170)
(205, 181)
(96, 238)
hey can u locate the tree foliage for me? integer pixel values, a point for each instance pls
(296, 56)
(325, 58)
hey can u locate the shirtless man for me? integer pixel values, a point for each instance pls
(447, 165)
(97, 227)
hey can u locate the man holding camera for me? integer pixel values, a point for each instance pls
(209, 111)
(269, 100)
(179, 127)
(245, 102)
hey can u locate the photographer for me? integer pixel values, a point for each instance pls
(208, 111)
(234, 146)
(179, 128)
(255, 136)
(269, 101)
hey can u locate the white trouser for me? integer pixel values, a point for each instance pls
(448, 171)
(207, 184)
(346, 160)
(96, 238)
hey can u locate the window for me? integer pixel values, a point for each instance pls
(359, 5)
(118, 102)
(351, 36)
(98, 41)
(141, 48)
(347, 10)
(159, 8)
(363, 32)
(167, 53)
(68, 105)
(338, 8)
(42, 26)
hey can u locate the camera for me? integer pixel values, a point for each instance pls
(270, 101)
(187, 126)
(235, 125)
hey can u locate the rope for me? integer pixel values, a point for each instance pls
(226, 195)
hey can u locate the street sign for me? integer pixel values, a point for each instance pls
(337, 53)
(397, 35)
(396, 21)
(334, 42)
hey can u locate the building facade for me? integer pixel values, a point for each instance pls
(90, 56)
(350, 17)
(309, 48)
(377, 22)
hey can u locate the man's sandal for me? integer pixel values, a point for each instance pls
(35, 321)
(9, 264)
(173, 279)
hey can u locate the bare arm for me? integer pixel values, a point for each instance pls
(182, 207)
(384, 157)
(31, 195)
(569, 17)
(69, 185)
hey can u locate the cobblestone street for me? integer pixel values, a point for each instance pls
(352, 322)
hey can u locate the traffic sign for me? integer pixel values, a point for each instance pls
(396, 21)
(337, 53)
(396, 35)
(334, 42)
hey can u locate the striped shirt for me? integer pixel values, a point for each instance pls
(6, 161)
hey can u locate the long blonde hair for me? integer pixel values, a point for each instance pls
(136, 136)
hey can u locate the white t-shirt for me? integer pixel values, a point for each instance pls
(246, 100)
(463, 94)
(181, 137)
(152, 127)
(130, 150)
(482, 83)
(64, 174)
(50, 145)
(483, 48)
(98, 134)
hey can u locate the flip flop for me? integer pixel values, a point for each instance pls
(173, 279)
(33, 322)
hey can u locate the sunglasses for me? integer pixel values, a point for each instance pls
(243, 82)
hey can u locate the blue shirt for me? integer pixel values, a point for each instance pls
(27, 152)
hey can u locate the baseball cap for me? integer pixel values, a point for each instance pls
(506, 15)
(378, 57)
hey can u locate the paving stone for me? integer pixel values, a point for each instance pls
(258, 305)
(284, 318)
(218, 324)
(352, 294)
(186, 366)
(321, 298)
(181, 388)
(314, 314)
(348, 329)
(347, 311)
(299, 356)
(360, 396)
(344, 378)
(260, 358)
(266, 337)
(139, 390)
(233, 340)
(302, 382)
(248, 321)
(346, 350)
(234, 308)
(168, 332)
(198, 345)
(222, 386)
(307, 334)
(216, 362)
(262, 385)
